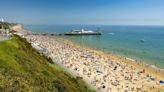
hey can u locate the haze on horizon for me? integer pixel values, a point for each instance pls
(101, 12)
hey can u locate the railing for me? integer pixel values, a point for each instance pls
(4, 37)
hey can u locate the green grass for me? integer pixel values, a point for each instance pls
(23, 69)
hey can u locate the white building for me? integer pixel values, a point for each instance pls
(2, 20)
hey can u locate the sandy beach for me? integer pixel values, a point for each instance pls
(106, 72)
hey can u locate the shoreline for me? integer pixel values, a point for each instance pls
(115, 59)
(118, 55)
(106, 52)
(142, 63)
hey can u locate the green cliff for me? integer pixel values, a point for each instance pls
(23, 69)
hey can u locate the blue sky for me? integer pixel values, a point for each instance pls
(104, 12)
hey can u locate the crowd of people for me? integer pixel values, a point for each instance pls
(102, 72)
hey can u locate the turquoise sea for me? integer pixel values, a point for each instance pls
(144, 43)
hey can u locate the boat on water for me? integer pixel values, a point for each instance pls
(83, 32)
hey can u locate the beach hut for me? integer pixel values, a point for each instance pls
(1, 32)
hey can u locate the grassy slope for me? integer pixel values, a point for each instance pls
(22, 68)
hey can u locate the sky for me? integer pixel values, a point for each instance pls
(96, 12)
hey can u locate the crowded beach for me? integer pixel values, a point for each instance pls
(104, 72)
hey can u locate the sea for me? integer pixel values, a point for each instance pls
(142, 43)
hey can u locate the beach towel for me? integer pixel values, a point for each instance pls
(161, 82)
